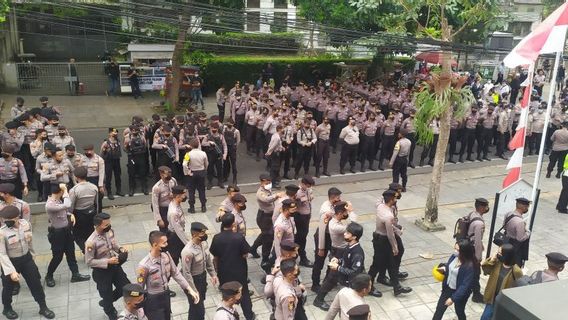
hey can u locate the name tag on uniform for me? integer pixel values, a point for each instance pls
(12, 239)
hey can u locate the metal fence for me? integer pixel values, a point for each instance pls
(62, 78)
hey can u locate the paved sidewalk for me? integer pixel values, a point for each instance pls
(132, 224)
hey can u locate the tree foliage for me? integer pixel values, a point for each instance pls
(4, 9)
(550, 6)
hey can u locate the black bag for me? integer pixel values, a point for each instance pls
(462, 226)
(501, 236)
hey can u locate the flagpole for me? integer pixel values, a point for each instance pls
(545, 129)
(529, 87)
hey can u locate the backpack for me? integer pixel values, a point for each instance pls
(462, 226)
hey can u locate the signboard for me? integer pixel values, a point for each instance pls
(149, 78)
(507, 197)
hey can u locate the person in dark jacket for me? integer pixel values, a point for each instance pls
(459, 276)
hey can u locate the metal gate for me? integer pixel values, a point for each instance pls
(62, 78)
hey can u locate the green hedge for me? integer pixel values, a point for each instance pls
(226, 70)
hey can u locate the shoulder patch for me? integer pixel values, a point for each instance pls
(291, 303)
(141, 272)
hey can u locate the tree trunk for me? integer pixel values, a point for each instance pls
(173, 93)
(430, 220)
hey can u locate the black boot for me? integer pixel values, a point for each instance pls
(461, 159)
(191, 208)
(119, 192)
(317, 172)
(110, 196)
(400, 289)
(320, 303)
(49, 281)
(203, 208)
(77, 277)
(477, 297)
(363, 166)
(9, 313)
(451, 160)
(421, 164)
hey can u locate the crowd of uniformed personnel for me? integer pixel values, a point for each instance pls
(289, 128)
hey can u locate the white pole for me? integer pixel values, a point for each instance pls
(546, 122)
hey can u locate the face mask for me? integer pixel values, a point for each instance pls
(184, 199)
(540, 111)
(10, 223)
(168, 178)
(213, 131)
(243, 207)
(107, 229)
(140, 304)
(500, 257)
(43, 138)
(347, 239)
(89, 155)
(203, 237)
(167, 135)
(62, 134)
(2, 198)
(163, 249)
(5, 155)
(238, 301)
(268, 186)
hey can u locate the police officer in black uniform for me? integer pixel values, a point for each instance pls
(232, 139)
(111, 153)
(150, 132)
(136, 148)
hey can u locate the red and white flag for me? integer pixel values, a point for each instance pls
(547, 37)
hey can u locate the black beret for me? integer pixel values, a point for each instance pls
(7, 187)
(340, 206)
(395, 186)
(12, 125)
(233, 188)
(42, 99)
(523, 200)
(230, 288)
(35, 111)
(292, 188)
(178, 190)
(359, 312)
(80, 172)
(288, 204)
(288, 245)
(238, 198)
(103, 215)
(132, 290)
(482, 201)
(9, 212)
(264, 176)
(198, 226)
(556, 258)
(308, 180)
(54, 188)
(389, 193)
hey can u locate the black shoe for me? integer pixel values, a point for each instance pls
(479, 159)
(352, 170)
(285, 176)
(315, 288)
(306, 263)
(384, 281)
(254, 254)
(325, 173)
(317, 174)
(110, 196)
(220, 185)
(321, 304)
(131, 194)
(477, 297)
(119, 193)
(191, 209)
(486, 158)
(531, 153)
(235, 181)
(558, 175)
(469, 159)
(363, 169)
(49, 281)
(10, 313)
(451, 160)
(203, 209)
(402, 275)
(412, 165)
(503, 157)
(171, 293)
(296, 176)
(375, 293)
(548, 174)
(145, 192)
(16, 290)
(399, 290)
(77, 277)
(421, 164)
(431, 163)
(460, 160)
(209, 186)
(565, 211)
(341, 171)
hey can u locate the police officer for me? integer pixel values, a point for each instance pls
(323, 133)
(161, 197)
(226, 205)
(154, 272)
(7, 198)
(59, 234)
(111, 153)
(399, 160)
(302, 219)
(469, 134)
(515, 228)
(385, 243)
(231, 294)
(306, 139)
(286, 299)
(369, 134)
(485, 136)
(16, 258)
(195, 165)
(134, 301)
(408, 125)
(559, 150)
(42, 164)
(350, 136)
(196, 262)
(230, 249)
(387, 139)
(137, 149)
(216, 148)
(284, 227)
(95, 170)
(105, 257)
(344, 268)
(350, 297)
(150, 132)
(290, 192)
(239, 206)
(12, 171)
(177, 237)
(275, 149)
(83, 197)
(265, 199)
(555, 262)
(232, 137)
(166, 147)
(59, 170)
(534, 129)
(475, 233)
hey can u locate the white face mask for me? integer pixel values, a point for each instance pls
(540, 111)
(268, 186)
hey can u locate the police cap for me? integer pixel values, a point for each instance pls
(9, 212)
(43, 99)
(395, 186)
(12, 125)
(230, 288)
(523, 200)
(132, 290)
(233, 188)
(340, 206)
(238, 198)
(54, 188)
(198, 226)
(389, 194)
(35, 111)
(556, 258)
(292, 188)
(307, 179)
(288, 204)
(7, 187)
(51, 147)
(164, 169)
(359, 312)
(80, 172)
(288, 245)
(481, 201)
(264, 177)
(88, 147)
(178, 190)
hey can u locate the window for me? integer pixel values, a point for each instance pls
(253, 21)
(253, 3)
(281, 4)
(280, 22)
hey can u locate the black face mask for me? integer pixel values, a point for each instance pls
(163, 249)
(2, 198)
(107, 229)
(183, 199)
(10, 223)
(43, 138)
(140, 304)
(168, 178)
(89, 155)
(243, 207)
(238, 301)
(203, 237)
(62, 134)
